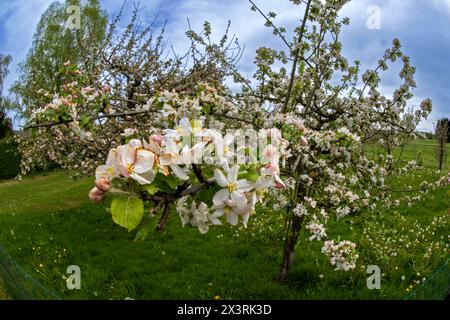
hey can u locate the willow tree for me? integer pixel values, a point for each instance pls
(55, 42)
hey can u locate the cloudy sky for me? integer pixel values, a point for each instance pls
(421, 25)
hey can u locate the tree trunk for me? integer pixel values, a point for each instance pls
(289, 247)
(164, 217)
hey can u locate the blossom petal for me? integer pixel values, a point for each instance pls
(127, 155)
(232, 175)
(264, 183)
(179, 172)
(214, 220)
(238, 199)
(144, 161)
(244, 185)
(153, 147)
(135, 143)
(245, 218)
(113, 158)
(149, 176)
(197, 152)
(218, 213)
(232, 218)
(143, 179)
(220, 178)
(221, 197)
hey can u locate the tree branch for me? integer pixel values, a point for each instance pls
(296, 57)
(111, 115)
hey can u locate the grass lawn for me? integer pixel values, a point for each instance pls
(423, 151)
(47, 224)
(3, 291)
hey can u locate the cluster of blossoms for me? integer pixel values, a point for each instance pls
(342, 255)
(412, 195)
(317, 230)
(239, 187)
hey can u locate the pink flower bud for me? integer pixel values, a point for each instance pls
(156, 138)
(284, 143)
(304, 142)
(279, 185)
(103, 184)
(96, 195)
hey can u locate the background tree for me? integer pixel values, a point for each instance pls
(53, 44)
(442, 130)
(130, 66)
(5, 125)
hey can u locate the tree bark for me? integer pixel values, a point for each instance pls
(289, 248)
(164, 217)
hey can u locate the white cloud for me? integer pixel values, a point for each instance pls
(442, 4)
(18, 20)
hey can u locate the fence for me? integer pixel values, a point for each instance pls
(436, 287)
(421, 151)
(18, 284)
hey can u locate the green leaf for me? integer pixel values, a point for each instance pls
(143, 232)
(172, 181)
(151, 189)
(242, 174)
(160, 183)
(207, 109)
(127, 212)
(252, 174)
(301, 68)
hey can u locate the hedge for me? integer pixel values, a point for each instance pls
(9, 159)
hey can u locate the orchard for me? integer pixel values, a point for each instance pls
(162, 137)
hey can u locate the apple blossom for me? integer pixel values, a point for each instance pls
(96, 194)
(234, 189)
(136, 162)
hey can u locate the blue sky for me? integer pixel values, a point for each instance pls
(421, 25)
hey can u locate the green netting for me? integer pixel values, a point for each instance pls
(16, 283)
(436, 287)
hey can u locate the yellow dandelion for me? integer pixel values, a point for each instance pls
(217, 298)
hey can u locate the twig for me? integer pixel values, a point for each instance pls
(111, 115)
(296, 57)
